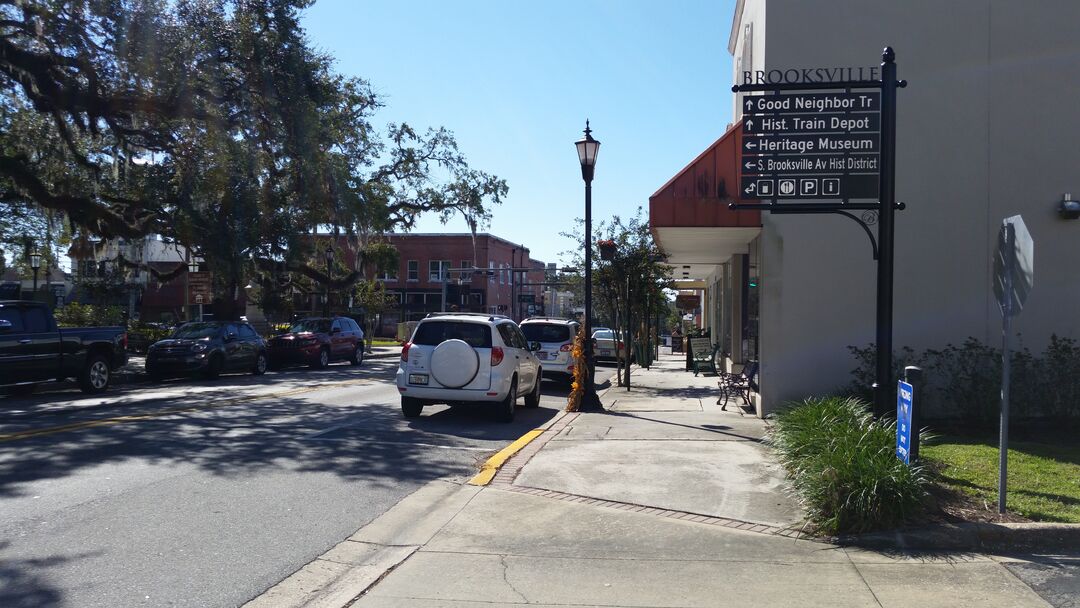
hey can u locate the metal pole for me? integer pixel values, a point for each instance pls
(627, 341)
(590, 402)
(35, 283)
(913, 375)
(1006, 366)
(886, 230)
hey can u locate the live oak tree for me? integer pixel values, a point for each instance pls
(215, 124)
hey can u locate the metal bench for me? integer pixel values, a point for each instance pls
(738, 385)
(703, 355)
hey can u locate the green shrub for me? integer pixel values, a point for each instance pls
(844, 468)
(965, 381)
(87, 315)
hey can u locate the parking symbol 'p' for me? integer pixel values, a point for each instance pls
(808, 187)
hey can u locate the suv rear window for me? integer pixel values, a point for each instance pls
(546, 332)
(432, 333)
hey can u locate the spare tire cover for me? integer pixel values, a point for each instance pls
(454, 363)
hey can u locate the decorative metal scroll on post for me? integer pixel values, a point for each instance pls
(1014, 272)
(829, 145)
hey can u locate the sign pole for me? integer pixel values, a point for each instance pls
(1006, 364)
(886, 231)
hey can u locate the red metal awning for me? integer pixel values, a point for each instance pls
(698, 196)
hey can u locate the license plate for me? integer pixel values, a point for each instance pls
(605, 351)
(418, 378)
(541, 355)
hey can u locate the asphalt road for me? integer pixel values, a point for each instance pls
(195, 493)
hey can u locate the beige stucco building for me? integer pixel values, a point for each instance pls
(988, 127)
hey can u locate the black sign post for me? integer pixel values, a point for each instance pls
(830, 145)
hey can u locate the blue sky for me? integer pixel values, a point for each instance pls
(515, 82)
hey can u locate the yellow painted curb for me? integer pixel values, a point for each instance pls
(491, 467)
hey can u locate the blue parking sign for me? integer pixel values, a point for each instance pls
(904, 399)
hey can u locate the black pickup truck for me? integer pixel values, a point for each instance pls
(33, 349)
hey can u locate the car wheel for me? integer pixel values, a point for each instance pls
(260, 365)
(358, 355)
(533, 398)
(506, 407)
(411, 408)
(95, 377)
(322, 360)
(213, 367)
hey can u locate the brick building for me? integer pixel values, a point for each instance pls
(483, 280)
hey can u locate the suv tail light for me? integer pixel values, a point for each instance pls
(620, 345)
(405, 351)
(124, 340)
(496, 355)
(565, 348)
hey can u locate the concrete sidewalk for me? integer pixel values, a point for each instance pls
(662, 501)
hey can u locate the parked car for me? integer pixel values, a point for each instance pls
(604, 345)
(318, 341)
(34, 350)
(209, 348)
(468, 358)
(556, 338)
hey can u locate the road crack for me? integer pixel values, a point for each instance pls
(506, 579)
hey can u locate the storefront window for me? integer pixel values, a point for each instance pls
(752, 304)
(726, 307)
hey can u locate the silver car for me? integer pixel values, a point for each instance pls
(556, 338)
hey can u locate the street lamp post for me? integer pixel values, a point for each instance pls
(587, 149)
(329, 261)
(35, 263)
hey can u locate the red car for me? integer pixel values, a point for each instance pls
(317, 341)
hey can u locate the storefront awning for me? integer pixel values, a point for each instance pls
(689, 214)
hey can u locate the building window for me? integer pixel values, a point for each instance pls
(502, 274)
(491, 272)
(389, 274)
(438, 270)
(466, 275)
(414, 270)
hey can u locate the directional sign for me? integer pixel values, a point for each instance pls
(819, 163)
(812, 123)
(811, 145)
(809, 186)
(1014, 265)
(807, 103)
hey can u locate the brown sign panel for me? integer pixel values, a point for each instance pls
(687, 301)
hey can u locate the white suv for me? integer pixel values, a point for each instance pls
(465, 358)
(556, 338)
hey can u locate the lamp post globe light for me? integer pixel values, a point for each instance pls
(329, 261)
(35, 263)
(587, 148)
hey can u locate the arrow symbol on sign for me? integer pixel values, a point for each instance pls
(751, 188)
(749, 165)
(750, 145)
(750, 125)
(749, 104)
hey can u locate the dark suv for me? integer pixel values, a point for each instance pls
(316, 341)
(210, 348)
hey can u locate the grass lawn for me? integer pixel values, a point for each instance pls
(1044, 478)
(384, 342)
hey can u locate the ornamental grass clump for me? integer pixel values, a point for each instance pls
(843, 466)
